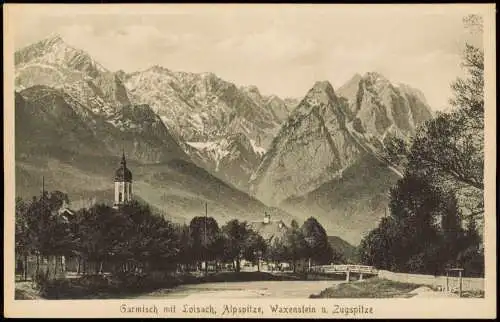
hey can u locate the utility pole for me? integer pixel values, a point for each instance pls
(460, 287)
(43, 212)
(206, 243)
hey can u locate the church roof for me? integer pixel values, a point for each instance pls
(268, 231)
(123, 174)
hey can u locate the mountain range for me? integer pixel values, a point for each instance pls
(194, 138)
(213, 118)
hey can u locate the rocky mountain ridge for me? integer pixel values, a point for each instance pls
(54, 63)
(328, 157)
(193, 107)
(204, 108)
(51, 118)
(200, 107)
(232, 158)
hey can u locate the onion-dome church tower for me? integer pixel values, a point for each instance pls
(123, 184)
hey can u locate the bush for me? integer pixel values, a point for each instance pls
(416, 263)
(56, 289)
(93, 282)
(130, 280)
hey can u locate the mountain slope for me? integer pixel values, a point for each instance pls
(312, 147)
(54, 63)
(232, 158)
(199, 107)
(379, 106)
(50, 119)
(327, 133)
(178, 188)
(44, 119)
(53, 51)
(328, 157)
(291, 103)
(274, 105)
(206, 109)
(352, 205)
(348, 251)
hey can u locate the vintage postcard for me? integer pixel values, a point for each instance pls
(249, 161)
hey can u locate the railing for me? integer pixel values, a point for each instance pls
(468, 283)
(345, 268)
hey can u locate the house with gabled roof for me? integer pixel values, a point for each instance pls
(269, 229)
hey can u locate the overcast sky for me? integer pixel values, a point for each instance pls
(282, 50)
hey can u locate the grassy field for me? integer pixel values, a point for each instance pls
(473, 294)
(370, 288)
(25, 291)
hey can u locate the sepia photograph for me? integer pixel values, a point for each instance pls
(300, 160)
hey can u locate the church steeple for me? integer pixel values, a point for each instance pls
(123, 183)
(124, 162)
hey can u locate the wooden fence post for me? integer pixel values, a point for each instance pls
(460, 288)
(447, 283)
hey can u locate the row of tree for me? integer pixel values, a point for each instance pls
(437, 208)
(309, 241)
(134, 236)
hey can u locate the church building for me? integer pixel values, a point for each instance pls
(270, 229)
(123, 184)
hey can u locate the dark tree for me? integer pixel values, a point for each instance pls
(450, 148)
(23, 245)
(96, 230)
(238, 238)
(423, 233)
(47, 232)
(296, 244)
(254, 248)
(277, 250)
(184, 244)
(471, 258)
(319, 250)
(205, 237)
(151, 238)
(376, 249)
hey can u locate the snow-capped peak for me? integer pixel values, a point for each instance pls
(52, 39)
(53, 50)
(257, 149)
